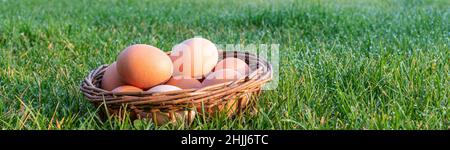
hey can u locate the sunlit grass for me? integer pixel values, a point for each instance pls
(345, 64)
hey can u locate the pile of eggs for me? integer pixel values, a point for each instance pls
(192, 64)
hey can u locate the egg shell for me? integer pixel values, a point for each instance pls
(194, 57)
(127, 88)
(233, 63)
(144, 66)
(163, 88)
(111, 78)
(221, 76)
(184, 82)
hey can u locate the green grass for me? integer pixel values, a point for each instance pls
(346, 64)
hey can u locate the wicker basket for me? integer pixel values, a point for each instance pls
(183, 105)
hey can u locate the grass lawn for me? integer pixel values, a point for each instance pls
(345, 64)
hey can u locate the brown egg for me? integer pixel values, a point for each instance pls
(163, 88)
(194, 57)
(127, 88)
(111, 78)
(184, 82)
(144, 66)
(233, 63)
(221, 76)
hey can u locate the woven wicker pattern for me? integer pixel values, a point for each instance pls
(172, 106)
